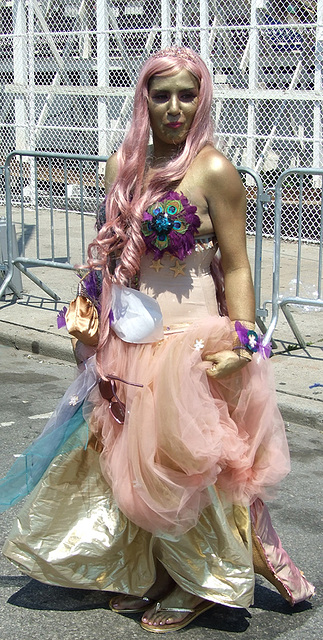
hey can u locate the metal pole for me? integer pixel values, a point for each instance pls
(204, 34)
(7, 281)
(261, 198)
(20, 70)
(252, 84)
(165, 24)
(31, 75)
(103, 65)
(179, 22)
(317, 124)
(276, 258)
(31, 99)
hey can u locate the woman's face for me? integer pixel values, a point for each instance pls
(172, 104)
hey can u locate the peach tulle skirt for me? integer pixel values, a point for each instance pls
(184, 432)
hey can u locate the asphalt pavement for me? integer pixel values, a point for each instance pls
(30, 386)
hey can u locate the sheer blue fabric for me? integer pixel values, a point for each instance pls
(29, 467)
(67, 419)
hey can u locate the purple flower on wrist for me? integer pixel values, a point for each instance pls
(251, 341)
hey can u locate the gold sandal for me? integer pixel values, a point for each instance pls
(175, 626)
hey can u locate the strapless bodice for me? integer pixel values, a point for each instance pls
(176, 269)
(184, 289)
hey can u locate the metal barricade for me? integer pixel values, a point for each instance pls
(46, 187)
(256, 203)
(297, 189)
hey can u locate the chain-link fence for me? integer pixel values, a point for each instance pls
(68, 68)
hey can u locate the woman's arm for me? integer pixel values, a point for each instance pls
(226, 200)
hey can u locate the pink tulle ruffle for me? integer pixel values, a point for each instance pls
(184, 432)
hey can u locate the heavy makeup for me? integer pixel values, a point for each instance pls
(172, 104)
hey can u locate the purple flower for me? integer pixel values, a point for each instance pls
(92, 286)
(251, 341)
(61, 318)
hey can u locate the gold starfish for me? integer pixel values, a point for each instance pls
(156, 264)
(179, 269)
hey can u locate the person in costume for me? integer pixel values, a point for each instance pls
(149, 478)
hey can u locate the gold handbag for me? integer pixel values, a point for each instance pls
(82, 320)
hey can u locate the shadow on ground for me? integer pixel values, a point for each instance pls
(41, 597)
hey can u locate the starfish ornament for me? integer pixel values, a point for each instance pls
(156, 265)
(179, 269)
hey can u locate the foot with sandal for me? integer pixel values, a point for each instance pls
(174, 612)
(125, 603)
(167, 607)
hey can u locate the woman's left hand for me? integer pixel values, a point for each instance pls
(224, 363)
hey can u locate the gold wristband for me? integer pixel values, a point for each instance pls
(236, 341)
(243, 352)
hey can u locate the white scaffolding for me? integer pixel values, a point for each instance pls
(318, 79)
(68, 71)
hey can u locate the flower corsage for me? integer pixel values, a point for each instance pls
(250, 342)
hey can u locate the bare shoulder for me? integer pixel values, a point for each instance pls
(111, 171)
(219, 174)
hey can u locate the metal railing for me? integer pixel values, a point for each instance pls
(43, 188)
(302, 207)
(27, 172)
(34, 183)
(262, 199)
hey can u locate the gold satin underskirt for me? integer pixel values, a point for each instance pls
(71, 533)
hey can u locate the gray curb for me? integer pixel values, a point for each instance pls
(36, 341)
(299, 410)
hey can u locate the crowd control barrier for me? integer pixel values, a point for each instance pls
(297, 189)
(44, 190)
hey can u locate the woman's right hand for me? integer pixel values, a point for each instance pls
(224, 363)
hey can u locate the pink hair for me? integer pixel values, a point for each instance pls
(126, 200)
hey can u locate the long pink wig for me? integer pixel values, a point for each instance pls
(126, 200)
